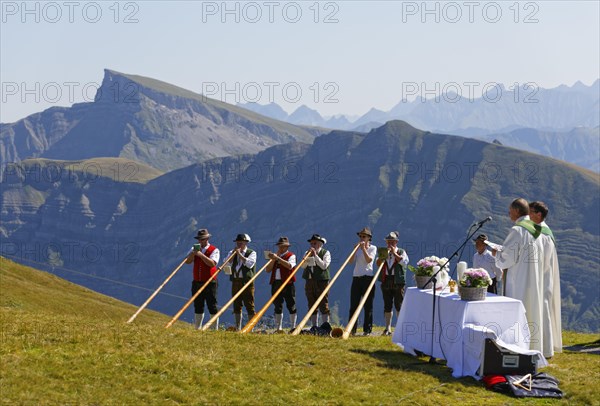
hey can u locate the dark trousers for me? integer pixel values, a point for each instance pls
(288, 293)
(246, 298)
(493, 288)
(357, 291)
(393, 295)
(208, 295)
(313, 289)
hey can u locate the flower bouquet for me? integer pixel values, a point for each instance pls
(473, 284)
(425, 269)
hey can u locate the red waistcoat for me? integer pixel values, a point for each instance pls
(285, 273)
(203, 272)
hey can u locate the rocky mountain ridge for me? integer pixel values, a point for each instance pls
(146, 120)
(430, 187)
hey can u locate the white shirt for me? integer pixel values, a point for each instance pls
(291, 260)
(390, 260)
(361, 267)
(215, 256)
(250, 259)
(323, 263)
(487, 262)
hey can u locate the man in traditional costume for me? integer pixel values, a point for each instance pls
(280, 269)
(242, 270)
(205, 258)
(317, 277)
(393, 279)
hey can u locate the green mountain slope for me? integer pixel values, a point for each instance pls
(580, 146)
(430, 187)
(75, 346)
(116, 169)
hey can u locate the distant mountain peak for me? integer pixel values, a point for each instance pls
(132, 85)
(580, 86)
(306, 115)
(111, 76)
(397, 127)
(374, 110)
(305, 109)
(149, 121)
(272, 110)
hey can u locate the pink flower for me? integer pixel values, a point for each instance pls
(475, 278)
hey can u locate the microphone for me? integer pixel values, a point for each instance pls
(482, 222)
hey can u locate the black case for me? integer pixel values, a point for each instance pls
(500, 361)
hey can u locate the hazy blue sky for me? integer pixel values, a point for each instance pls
(336, 57)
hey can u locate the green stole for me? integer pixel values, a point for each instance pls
(546, 231)
(534, 229)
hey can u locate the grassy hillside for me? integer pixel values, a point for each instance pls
(62, 343)
(117, 169)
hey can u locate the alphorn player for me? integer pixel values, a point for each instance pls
(205, 258)
(283, 263)
(362, 277)
(243, 267)
(317, 277)
(393, 279)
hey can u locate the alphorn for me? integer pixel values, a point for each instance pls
(361, 304)
(248, 327)
(220, 312)
(325, 291)
(142, 307)
(189, 302)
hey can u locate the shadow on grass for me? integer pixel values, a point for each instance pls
(592, 347)
(406, 362)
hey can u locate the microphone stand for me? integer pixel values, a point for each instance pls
(433, 280)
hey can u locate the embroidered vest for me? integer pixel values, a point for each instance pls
(314, 272)
(284, 272)
(244, 272)
(203, 272)
(399, 271)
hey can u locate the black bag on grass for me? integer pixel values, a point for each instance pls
(540, 385)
